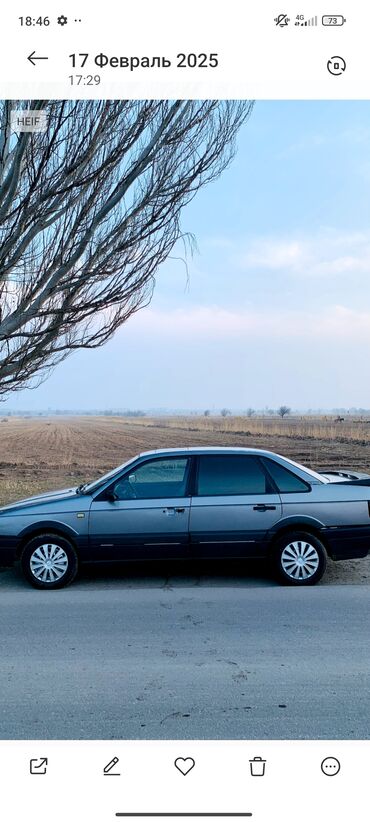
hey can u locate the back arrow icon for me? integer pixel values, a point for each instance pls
(32, 57)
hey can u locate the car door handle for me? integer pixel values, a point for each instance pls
(264, 508)
(172, 511)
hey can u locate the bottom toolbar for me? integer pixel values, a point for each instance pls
(105, 780)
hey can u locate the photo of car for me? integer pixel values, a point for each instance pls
(193, 503)
(185, 413)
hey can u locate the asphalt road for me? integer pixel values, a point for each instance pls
(218, 656)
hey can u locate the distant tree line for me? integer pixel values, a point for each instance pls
(282, 412)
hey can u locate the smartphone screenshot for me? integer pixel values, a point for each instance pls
(185, 411)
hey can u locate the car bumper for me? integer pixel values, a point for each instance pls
(347, 543)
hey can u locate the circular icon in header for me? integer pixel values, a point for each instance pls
(336, 65)
(330, 766)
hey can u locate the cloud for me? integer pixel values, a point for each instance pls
(336, 323)
(328, 253)
(274, 254)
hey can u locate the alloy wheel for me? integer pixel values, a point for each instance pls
(300, 560)
(49, 562)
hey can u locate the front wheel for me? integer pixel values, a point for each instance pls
(49, 561)
(299, 559)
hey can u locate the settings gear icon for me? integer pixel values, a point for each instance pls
(62, 20)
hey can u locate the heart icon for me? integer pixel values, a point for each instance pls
(184, 765)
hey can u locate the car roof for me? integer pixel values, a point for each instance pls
(207, 449)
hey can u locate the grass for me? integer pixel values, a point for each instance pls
(353, 429)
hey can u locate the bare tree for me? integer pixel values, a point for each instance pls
(250, 412)
(225, 412)
(88, 211)
(283, 411)
(207, 413)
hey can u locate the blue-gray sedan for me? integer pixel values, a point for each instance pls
(193, 503)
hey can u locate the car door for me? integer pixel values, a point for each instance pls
(144, 513)
(233, 508)
(337, 506)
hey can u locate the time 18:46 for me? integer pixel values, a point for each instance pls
(34, 21)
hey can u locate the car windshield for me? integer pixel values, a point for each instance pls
(90, 487)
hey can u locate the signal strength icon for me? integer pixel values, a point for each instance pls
(312, 21)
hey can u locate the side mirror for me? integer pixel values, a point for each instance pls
(111, 495)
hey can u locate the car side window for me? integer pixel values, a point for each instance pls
(156, 479)
(231, 475)
(286, 481)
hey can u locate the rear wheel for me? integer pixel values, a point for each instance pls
(49, 561)
(299, 559)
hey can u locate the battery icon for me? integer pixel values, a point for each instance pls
(333, 20)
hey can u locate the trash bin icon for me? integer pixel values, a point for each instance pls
(257, 766)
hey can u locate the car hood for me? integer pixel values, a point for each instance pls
(49, 496)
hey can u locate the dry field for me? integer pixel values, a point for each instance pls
(38, 454)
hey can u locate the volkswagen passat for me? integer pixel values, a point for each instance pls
(197, 503)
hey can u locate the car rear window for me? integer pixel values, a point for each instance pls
(286, 482)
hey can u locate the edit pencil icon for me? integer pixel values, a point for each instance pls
(109, 767)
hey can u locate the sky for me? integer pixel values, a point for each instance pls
(275, 305)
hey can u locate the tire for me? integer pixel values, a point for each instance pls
(291, 550)
(54, 549)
